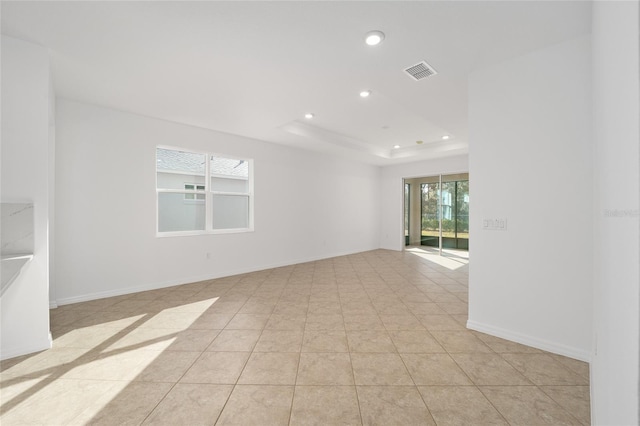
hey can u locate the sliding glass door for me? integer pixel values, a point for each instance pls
(444, 211)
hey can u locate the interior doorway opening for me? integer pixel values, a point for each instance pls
(436, 211)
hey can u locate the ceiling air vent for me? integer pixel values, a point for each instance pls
(420, 71)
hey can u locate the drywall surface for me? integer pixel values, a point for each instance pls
(307, 206)
(25, 171)
(616, 99)
(531, 185)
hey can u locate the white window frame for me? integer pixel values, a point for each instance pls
(208, 201)
(195, 199)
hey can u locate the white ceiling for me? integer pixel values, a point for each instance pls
(255, 68)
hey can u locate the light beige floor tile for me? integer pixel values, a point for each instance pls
(527, 405)
(363, 322)
(454, 308)
(324, 322)
(258, 405)
(577, 366)
(257, 308)
(113, 365)
(286, 322)
(87, 337)
(126, 352)
(391, 309)
(370, 341)
(192, 340)
(489, 369)
(18, 391)
(68, 317)
(460, 406)
(324, 308)
(279, 341)
(119, 320)
(130, 406)
(167, 367)
(379, 369)
(49, 403)
(353, 308)
(270, 368)
(171, 320)
(392, 405)
(325, 341)
(192, 303)
(574, 399)
(51, 362)
(461, 319)
(211, 321)
(401, 322)
(460, 342)
(225, 307)
(414, 297)
(190, 404)
(439, 322)
(247, 322)
(152, 339)
(325, 405)
(434, 369)
(235, 341)
(415, 341)
(325, 369)
(542, 369)
(505, 346)
(425, 308)
(292, 309)
(216, 368)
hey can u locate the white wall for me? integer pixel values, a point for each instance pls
(307, 206)
(25, 172)
(392, 193)
(614, 367)
(530, 161)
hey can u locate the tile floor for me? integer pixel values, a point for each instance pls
(376, 338)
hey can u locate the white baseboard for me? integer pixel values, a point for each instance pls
(534, 342)
(38, 346)
(170, 283)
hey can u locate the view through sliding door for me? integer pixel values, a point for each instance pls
(443, 206)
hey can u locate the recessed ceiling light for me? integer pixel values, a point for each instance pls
(365, 93)
(373, 38)
(396, 146)
(308, 116)
(445, 137)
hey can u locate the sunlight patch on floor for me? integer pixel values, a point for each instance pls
(450, 259)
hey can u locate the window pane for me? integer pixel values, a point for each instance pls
(462, 214)
(230, 211)
(229, 185)
(176, 213)
(430, 226)
(229, 175)
(174, 168)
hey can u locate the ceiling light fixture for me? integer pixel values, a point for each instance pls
(419, 142)
(365, 93)
(445, 137)
(373, 38)
(396, 146)
(308, 116)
